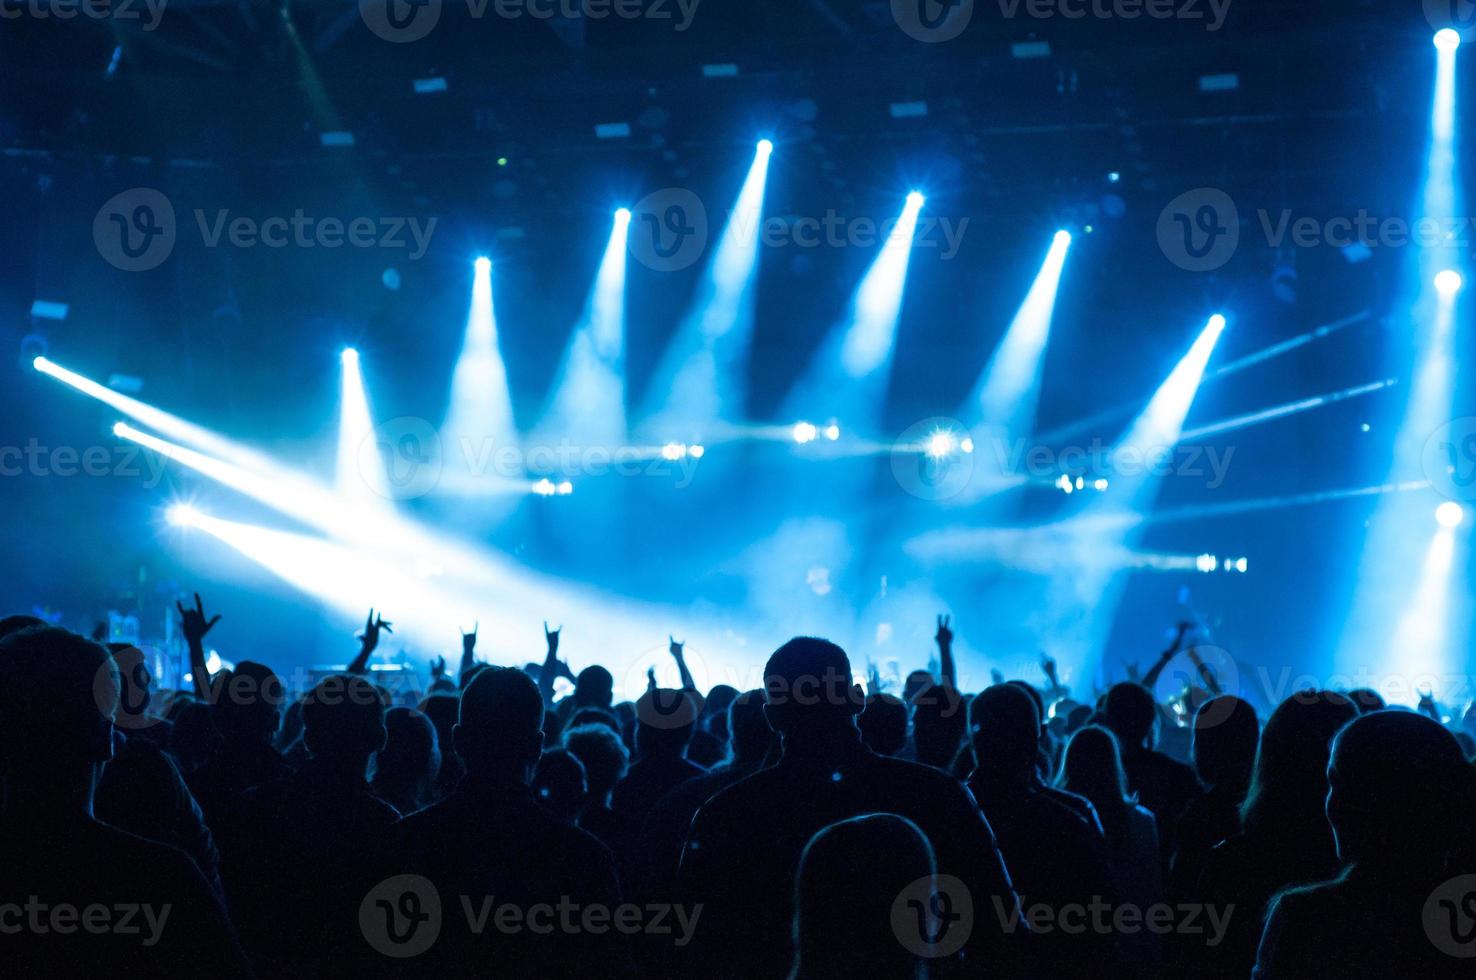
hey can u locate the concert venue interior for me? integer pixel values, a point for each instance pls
(733, 321)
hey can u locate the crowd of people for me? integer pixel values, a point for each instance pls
(811, 828)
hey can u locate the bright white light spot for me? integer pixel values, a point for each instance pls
(1448, 282)
(1241, 564)
(544, 487)
(565, 488)
(1206, 563)
(941, 444)
(805, 432)
(1064, 482)
(915, 200)
(622, 216)
(832, 432)
(1063, 238)
(349, 355)
(1450, 514)
(765, 147)
(1447, 39)
(696, 452)
(483, 264)
(673, 451)
(182, 515)
(1099, 484)
(1081, 483)
(966, 444)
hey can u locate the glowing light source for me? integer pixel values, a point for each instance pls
(360, 470)
(804, 432)
(1206, 563)
(182, 515)
(941, 444)
(479, 415)
(1447, 39)
(765, 147)
(482, 265)
(1450, 514)
(1448, 282)
(871, 334)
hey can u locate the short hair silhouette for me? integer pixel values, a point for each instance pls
(604, 755)
(559, 783)
(883, 723)
(940, 724)
(248, 701)
(594, 686)
(18, 622)
(665, 720)
(808, 681)
(1226, 734)
(1400, 791)
(1130, 712)
(1366, 699)
(851, 876)
(56, 705)
(1005, 731)
(501, 723)
(343, 715)
(749, 734)
(411, 745)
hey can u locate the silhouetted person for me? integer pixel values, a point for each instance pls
(1402, 804)
(884, 724)
(442, 710)
(95, 901)
(709, 745)
(744, 847)
(605, 759)
(492, 842)
(303, 841)
(939, 725)
(1367, 700)
(593, 688)
(559, 784)
(193, 738)
(1055, 856)
(850, 875)
(1092, 768)
(1163, 785)
(246, 706)
(666, 719)
(406, 769)
(1286, 839)
(1226, 734)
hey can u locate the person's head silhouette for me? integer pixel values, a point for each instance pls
(1226, 734)
(1006, 733)
(666, 718)
(884, 723)
(594, 687)
(1092, 768)
(852, 876)
(248, 702)
(808, 689)
(56, 718)
(411, 752)
(940, 723)
(500, 730)
(1401, 795)
(1289, 782)
(559, 783)
(343, 721)
(1131, 713)
(604, 755)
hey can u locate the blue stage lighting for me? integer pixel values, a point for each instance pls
(1448, 282)
(804, 432)
(622, 216)
(482, 265)
(765, 147)
(1447, 39)
(1450, 514)
(916, 200)
(182, 515)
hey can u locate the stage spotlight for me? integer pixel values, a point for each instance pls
(765, 147)
(1447, 39)
(1450, 514)
(696, 452)
(1448, 282)
(941, 444)
(622, 216)
(966, 444)
(832, 432)
(360, 469)
(673, 451)
(805, 432)
(349, 356)
(916, 200)
(482, 265)
(1062, 238)
(182, 515)
(1242, 565)
(565, 488)
(544, 487)
(479, 415)
(1206, 563)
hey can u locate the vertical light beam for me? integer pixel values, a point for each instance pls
(479, 417)
(360, 470)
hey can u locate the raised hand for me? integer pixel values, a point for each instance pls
(675, 648)
(469, 643)
(944, 636)
(438, 669)
(194, 623)
(369, 639)
(552, 637)
(650, 678)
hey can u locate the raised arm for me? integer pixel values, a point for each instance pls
(676, 653)
(368, 641)
(946, 667)
(553, 668)
(194, 625)
(1167, 655)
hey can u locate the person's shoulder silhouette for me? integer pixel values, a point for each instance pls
(98, 901)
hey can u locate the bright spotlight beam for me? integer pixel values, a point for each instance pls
(480, 412)
(158, 419)
(700, 379)
(360, 470)
(588, 399)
